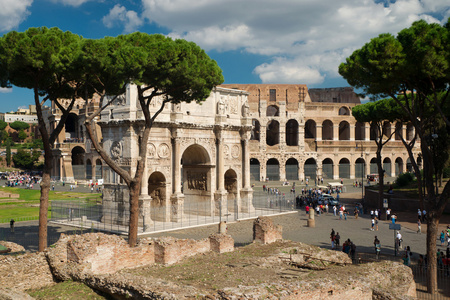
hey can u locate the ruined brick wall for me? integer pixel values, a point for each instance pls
(264, 231)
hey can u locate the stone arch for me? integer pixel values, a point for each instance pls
(78, 168)
(310, 169)
(292, 133)
(273, 133)
(272, 111)
(256, 130)
(387, 166)
(273, 169)
(344, 131)
(310, 129)
(88, 169)
(255, 168)
(360, 131)
(327, 168)
(231, 185)
(373, 132)
(71, 127)
(327, 130)
(360, 164)
(398, 166)
(158, 191)
(292, 169)
(98, 169)
(373, 166)
(409, 167)
(398, 131)
(196, 170)
(344, 111)
(386, 128)
(409, 131)
(344, 168)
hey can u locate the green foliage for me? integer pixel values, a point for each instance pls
(3, 125)
(19, 125)
(22, 135)
(404, 179)
(25, 159)
(446, 172)
(3, 135)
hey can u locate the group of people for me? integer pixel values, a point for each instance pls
(348, 246)
(27, 179)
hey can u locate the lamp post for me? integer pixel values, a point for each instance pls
(362, 172)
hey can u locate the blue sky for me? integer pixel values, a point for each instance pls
(253, 41)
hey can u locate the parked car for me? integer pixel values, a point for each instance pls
(329, 199)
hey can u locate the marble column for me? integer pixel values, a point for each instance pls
(246, 193)
(177, 198)
(221, 193)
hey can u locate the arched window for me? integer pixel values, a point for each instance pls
(310, 129)
(292, 133)
(344, 131)
(273, 133)
(256, 130)
(360, 131)
(344, 111)
(272, 111)
(327, 130)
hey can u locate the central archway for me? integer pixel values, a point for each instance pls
(78, 168)
(196, 180)
(310, 169)
(291, 169)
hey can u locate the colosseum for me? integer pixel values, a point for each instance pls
(300, 133)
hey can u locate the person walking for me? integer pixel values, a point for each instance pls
(377, 245)
(419, 226)
(11, 225)
(442, 238)
(373, 224)
(355, 213)
(337, 239)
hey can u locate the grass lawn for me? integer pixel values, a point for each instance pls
(67, 290)
(26, 207)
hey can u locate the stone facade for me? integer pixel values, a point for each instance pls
(301, 134)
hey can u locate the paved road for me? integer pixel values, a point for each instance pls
(294, 228)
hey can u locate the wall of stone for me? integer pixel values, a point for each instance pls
(265, 232)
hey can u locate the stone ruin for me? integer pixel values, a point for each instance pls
(101, 262)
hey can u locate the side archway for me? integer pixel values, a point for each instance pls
(387, 166)
(344, 168)
(255, 168)
(273, 133)
(311, 169)
(327, 168)
(273, 169)
(292, 133)
(344, 131)
(327, 130)
(79, 170)
(157, 190)
(292, 169)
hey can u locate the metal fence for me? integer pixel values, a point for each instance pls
(92, 216)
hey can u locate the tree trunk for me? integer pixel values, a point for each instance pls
(432, 232)
(135, 188)
(43, 207)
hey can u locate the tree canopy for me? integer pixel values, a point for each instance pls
(19, 125)
(25, 160)
(413, 69)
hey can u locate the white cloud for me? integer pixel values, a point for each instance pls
(308, 38)
(5, 90)
(74, 3)
(12, 13)
(119, 15)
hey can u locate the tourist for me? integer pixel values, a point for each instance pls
(388, 213)
(11, 225)
(393, 218)
(424, 215)
(419, 226)
(334, 210)
(377, 245)
(398, 241)
(372, 224)
(419, 214)
(442, 238)
(337, 239)
(355, 213)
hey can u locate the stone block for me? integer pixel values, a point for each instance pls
(167, 250)
(265, 232)
(221, 242)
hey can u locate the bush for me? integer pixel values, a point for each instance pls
(404, 179)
